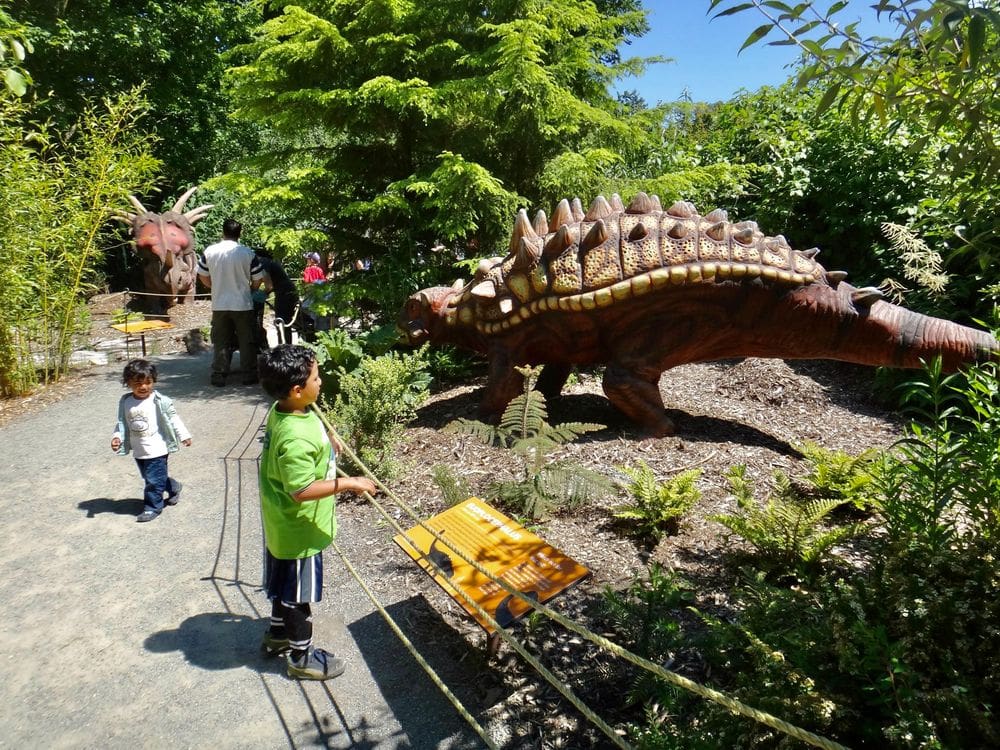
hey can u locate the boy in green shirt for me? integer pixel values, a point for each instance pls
(298, 480)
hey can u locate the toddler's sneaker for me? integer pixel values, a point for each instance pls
(176, 497)
(146, 516)
(272, 646)
(317, 664)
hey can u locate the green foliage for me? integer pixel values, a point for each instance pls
(14, 47)
(544, 485)
(454, 488)
(89, 50)
(657, 507)
(124, 315)
(338, 352)
(787, 531)
(374, 403)
(55, 198)
(837, 475)
(645, 616)
(450, 364)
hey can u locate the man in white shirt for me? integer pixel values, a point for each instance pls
(232, 272)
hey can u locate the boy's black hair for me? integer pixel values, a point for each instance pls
(284, 366)
(138, 369)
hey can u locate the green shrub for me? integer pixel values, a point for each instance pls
(454, 488)
(544, 486)
(657, 507)
(787, 531)
(375, 401)
(837, 475)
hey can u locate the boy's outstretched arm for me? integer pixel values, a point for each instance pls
(322, 488)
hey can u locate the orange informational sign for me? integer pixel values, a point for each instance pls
(501, 546)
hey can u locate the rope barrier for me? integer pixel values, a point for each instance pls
(673, 678)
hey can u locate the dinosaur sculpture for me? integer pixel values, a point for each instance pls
(165, 244)
(642, 290)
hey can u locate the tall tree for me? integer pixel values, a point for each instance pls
(87, 50)
(409, 126)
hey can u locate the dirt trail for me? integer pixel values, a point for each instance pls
(123, 635)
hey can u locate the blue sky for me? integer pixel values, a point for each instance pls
(704, 50)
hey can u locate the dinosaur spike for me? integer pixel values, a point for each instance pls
(639, 232)
(139, 208)
(743, 236)
(751, 225)
(562, 215)
(506, 305)
(616, 203)
(483, 268)
(780, 238)
(124, 218)
(867, 296)
(656, 202)
(558, 242)
(682, 210)
(716, 215)
(577, 208)
(196, 214)
(485, 289)
(528, 253)
(597, 235)
(179, 205)
(717, 231)
(641, 204)
(458, 284)
(540, 224)
(811, 252)
(599, 209)
(522, 228)
(678, 231)
(835, 277)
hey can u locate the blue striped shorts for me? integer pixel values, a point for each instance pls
(293, 581)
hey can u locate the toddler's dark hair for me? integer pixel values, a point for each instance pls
(284, 366)
(138, 369)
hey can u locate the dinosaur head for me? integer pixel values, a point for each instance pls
(164, 243)
(422, 317)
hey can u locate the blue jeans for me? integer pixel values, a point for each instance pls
(154, 473)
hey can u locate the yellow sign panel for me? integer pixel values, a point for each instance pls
(501, 546)
(142, 326)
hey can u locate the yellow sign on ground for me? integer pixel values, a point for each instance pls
(501, 546)
(142, 326)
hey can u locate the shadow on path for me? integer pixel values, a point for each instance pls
(129, 506)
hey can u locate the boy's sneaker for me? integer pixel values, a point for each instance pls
(272, 646)
(146, 515)
(176, 497)
(317, 664)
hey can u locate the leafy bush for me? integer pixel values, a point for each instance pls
(787, 531)
(544, 485)
(375, 401)
(454, 488)
(658, 506)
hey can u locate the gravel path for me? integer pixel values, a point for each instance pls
(124, 635)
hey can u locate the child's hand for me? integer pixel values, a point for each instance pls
(186, 443)
(364, 484)
(116, 443)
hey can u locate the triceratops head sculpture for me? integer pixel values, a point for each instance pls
(165, 244)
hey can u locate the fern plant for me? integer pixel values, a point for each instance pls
(658, 506)
(544, 485)
(787, 531)
(836, 475)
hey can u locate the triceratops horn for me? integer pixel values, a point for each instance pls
(641, 204)
(522, 228)
(124, 218)
(138, 206)
(597, 235)
(577, 208)
(562, 215)
(179, 205)
(599, 209)
(196, 214)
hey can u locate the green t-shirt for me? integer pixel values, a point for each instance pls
(296, 453)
